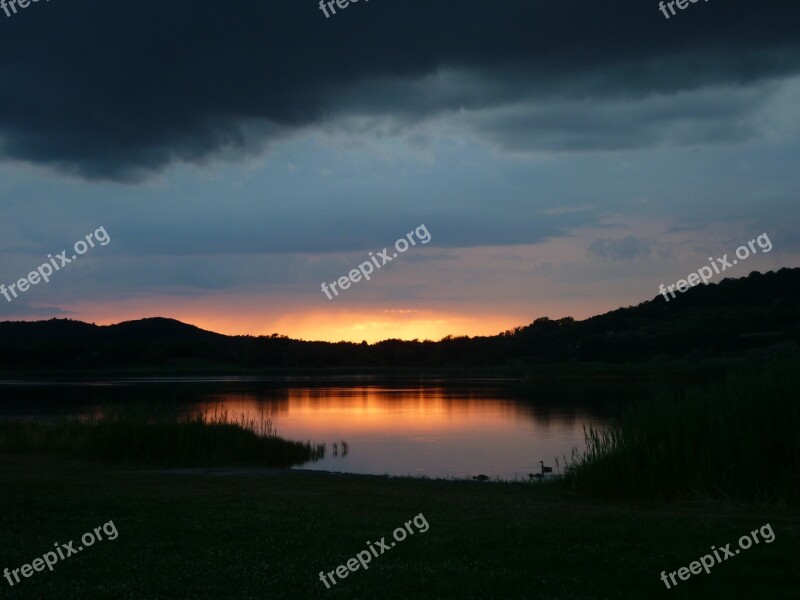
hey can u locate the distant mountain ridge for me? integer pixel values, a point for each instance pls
(723, 319)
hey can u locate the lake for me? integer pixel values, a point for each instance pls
(433, 428)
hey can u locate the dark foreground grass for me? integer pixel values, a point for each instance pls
(140, 436)
(736, 439)
(240, 537)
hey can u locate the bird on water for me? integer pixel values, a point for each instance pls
(540, 475)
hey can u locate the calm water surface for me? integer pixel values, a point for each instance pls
(436, 429)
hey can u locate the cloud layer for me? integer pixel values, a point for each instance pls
(122, 90)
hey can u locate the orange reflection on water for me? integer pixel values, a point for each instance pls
(430, 430)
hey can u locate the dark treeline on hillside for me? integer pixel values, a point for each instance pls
(725, 319)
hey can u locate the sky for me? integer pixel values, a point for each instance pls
(565, 158)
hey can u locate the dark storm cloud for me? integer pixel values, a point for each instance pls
(119, 90)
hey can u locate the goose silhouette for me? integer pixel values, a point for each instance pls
(540, 475)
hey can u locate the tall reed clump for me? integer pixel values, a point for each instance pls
(137, 436)
(736, 439)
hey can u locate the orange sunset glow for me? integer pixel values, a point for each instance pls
(249, 315)
(359, 326)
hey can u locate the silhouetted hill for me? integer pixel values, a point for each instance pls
(143, 330)
(160, 329)
(65, 343)
(724, 319)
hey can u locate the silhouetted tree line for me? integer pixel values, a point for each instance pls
(722, 319)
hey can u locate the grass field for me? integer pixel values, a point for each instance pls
(201, 536)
